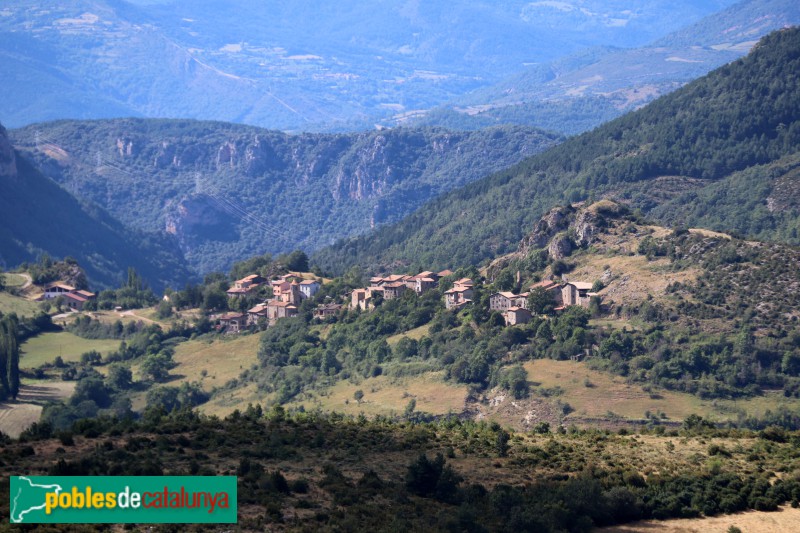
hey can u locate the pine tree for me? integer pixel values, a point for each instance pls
(9, 357)
(13, 364)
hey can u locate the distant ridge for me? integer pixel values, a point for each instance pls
(734, 124)
(37, 216)
(577, 93)
(228, 191)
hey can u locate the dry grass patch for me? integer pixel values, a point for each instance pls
(222, 359)
(596, 394)
(607, 394)
(785, 520)
(634, 277)
(385, 395)
(416, 334)
(14, 280)
(709, 233)
(225, 403)
(757, 406)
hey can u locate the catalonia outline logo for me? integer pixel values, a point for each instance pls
(123, 499)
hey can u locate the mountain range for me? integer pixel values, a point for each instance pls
(295, 66)
(721, 152)
(38, 217)
(226, 192)
(577, 93)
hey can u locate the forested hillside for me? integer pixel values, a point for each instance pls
(37, 217)
(312, 472)
(227, 191)
(742, 116)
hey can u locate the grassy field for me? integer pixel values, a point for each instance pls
(597, 394)
(14, 280)
(45, 347)
(222, 359)
(385, 395)
(14, 304)
(16, 417)
(416, 334)
(224, 404)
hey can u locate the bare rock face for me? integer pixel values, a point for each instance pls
(197, 218)
(226, 155)
(259, 156)
(368, 175)
(8, 161)
(125, 147)
(563, 229)
(556, 220)
(560, 247)
(587, 224)
(594, 219)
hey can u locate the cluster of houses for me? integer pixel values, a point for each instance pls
(514, 307)
(394, 286)
(287, 293)
(73, 298)
(289, 290)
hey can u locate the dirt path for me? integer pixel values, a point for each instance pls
(142, 318)
(28, 280)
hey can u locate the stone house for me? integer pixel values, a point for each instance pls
(245, 286)
(551, 287)
(77, 300)
(460, 295)
(257, 313)
(576, 293)
(56, 289)
(74, 298)
(501, 301)
(324, 311)
(308, 288)
(394, 290)
(232, 322)
(516, 315)
(288, 292)
(359, 299)
(279, 309)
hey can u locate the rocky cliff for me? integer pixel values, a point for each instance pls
(565, 229)
(229, 191)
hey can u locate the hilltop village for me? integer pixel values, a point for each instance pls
(289, 290)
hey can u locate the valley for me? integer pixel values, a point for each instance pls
(377, 323)
(218, 193)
